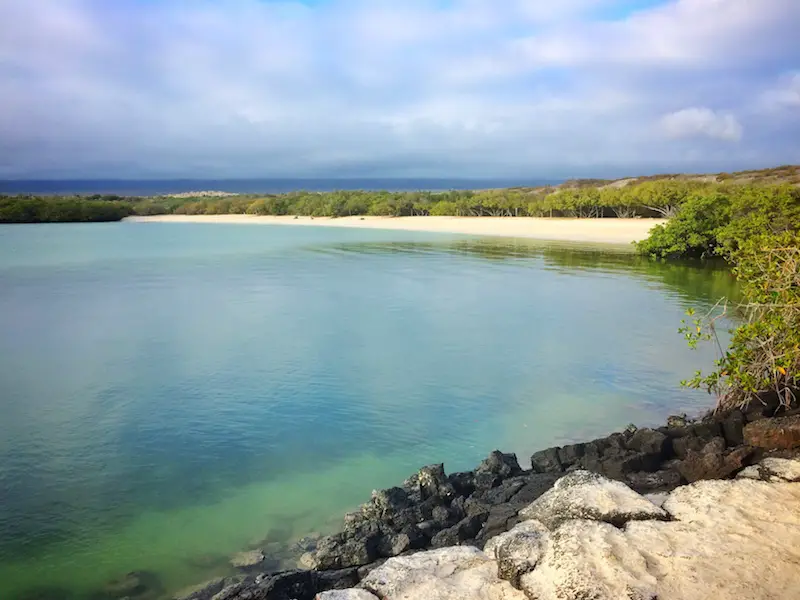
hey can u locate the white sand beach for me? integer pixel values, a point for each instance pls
(603, 231)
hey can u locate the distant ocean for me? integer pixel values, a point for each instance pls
(250, 186)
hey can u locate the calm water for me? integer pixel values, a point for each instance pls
(171, 393)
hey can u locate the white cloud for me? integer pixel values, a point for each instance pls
(472, 87)
(786, 95)
(701, 122)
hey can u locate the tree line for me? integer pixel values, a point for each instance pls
(650, 198)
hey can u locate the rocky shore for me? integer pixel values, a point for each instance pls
(615, 481)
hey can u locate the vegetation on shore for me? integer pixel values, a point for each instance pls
(655, 196)
(756, 229)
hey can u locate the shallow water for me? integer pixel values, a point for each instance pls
(173, 393)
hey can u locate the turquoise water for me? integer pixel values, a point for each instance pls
(173, 393)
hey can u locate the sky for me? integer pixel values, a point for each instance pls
(396, 88)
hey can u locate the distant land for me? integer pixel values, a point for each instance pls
(162, 187)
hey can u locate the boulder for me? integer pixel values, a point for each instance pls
(713, 462)
(465, 530)
(536, 484)
(643, 482)
(337, 580)
(341, 551)
(247, 560)
(504, 492)
(781, 433)
(393, 544)
(205, 590)
(289, 585)
(570, 455)
(773, 469)
(733, 428)
(648, 441)
(497, 522)
(585, 495)
(503, 465)
(461, 573)
(463, 483)
(589, 560)
(547, 461)
(346, 595)
(430, 482)
(518, 551)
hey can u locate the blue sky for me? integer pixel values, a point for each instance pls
(455, 88)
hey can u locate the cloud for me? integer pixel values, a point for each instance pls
(248, 88)
(699, 122)
(786, 95)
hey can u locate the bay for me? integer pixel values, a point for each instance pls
(173, 393)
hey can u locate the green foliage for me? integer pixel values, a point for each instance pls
(24, 209)
(764, 354)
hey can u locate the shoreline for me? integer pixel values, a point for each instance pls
(599, 231)
(664, 477)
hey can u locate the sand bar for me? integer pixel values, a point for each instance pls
(603, 231)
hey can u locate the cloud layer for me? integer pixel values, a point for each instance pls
(253, 88)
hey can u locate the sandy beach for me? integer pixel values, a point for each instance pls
(603, 231)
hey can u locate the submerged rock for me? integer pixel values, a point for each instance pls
(245, 560)
(346, 595)
(585, 495)
(134, 585)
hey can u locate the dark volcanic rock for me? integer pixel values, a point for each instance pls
(547, 461)
(665, 480)
(712, 462)
(337, 580)
(466, 529)
(649, 442)
(430, 482)
(463, 483)
(536, 484)
(570, 455)
(393, 544)
(500, 519)
(289, 585)
(503, 465)
(504, 492)
(782, 433)
(733, 428)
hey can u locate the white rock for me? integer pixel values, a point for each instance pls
(749, 473)
(585, 495)
(780, 469)
(458, 573)
(733, 540)
(589, 559)
(346, 595)
(490, 549)
(520, 551)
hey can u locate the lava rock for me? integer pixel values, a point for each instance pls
(547, 461)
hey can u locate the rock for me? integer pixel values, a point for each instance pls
(504, 492)
(585, 495)
(486, 481)
(664, 480)
(430, 482)
(340, 551)
(367, 569)
(536, 485)
(388, 502)
(204, 591)
(571, 454)
(547, 461)
(675, 421)
(461, 573)
(773, 469)
(503, 465)
(773, 434)
(134, 585)
(648, 441)
(289, 585)
(245, 560)
(712, 462)
(393, 545)
(463, 483)
(497, 522)
(466, 529)
(337, 580)
(733, 428)
(346, 595)
(592, 561)
(693, 437)
(518, 551)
